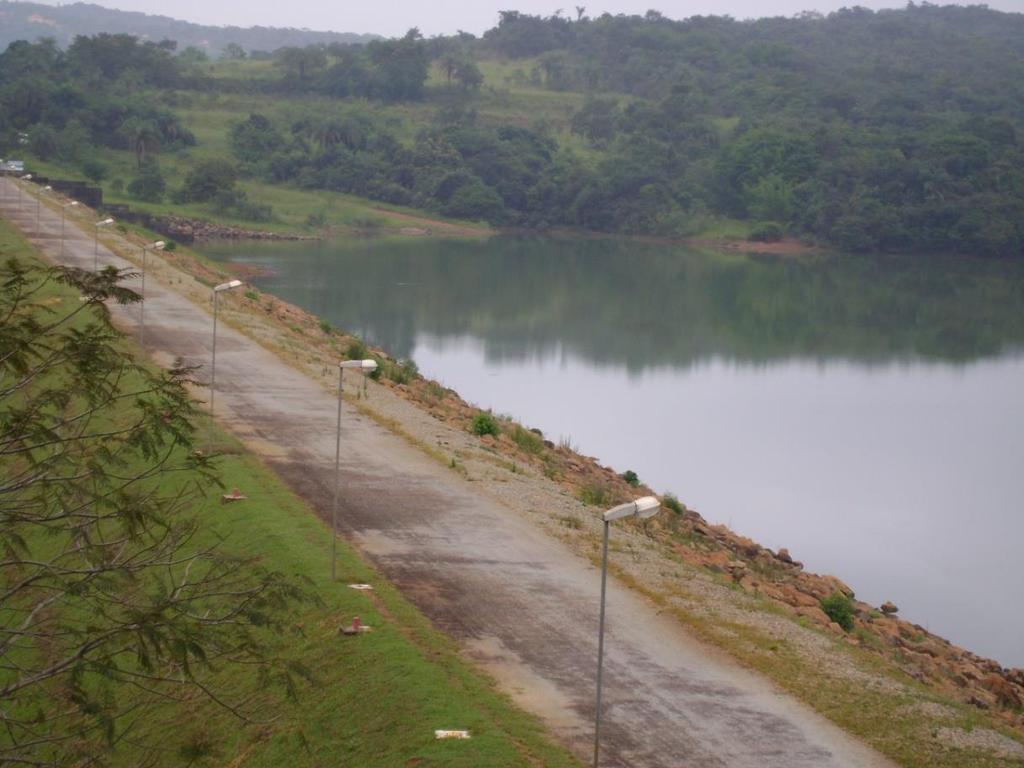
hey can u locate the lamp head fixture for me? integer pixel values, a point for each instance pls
(227, 286)
(365, 365)
(642, 508)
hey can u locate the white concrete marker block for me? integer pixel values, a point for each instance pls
(361, 587)
(451, 734)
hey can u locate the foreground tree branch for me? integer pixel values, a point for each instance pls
(112, 598)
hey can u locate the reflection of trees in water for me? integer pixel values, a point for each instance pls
(624, 303)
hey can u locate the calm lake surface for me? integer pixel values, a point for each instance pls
(865, 412)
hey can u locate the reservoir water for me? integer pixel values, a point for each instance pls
(865, 412)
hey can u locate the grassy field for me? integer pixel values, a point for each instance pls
(375, 699)
(292, 207)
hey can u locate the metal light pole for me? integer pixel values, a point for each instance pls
(96, 241)
(157, 246)
(63, 210)
(21, 192)
(644, 507)
(366, 366)
(217, 290)
(39, 196)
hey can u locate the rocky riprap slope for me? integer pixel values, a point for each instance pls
(189, 230)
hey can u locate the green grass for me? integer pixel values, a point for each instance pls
(245, 69)
(376, 699)
(596, 495)
(726, 126)
(291, 206)
(528, 440)
(721, 228)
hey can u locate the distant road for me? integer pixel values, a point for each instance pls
(519, 602)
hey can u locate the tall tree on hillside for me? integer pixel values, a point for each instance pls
(449, 64)
(301, 61)
(233, 52)
(142, 135)
(400, 66)
(328, 133)
(469, 75)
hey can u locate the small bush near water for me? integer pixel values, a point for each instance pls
(485, 424)
(401, 372)
(839, 608)
(595, 495)
(435, 392)
(528, 440)
(357, 350)
(669, 501)
(767, 233)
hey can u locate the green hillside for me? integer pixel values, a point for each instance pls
(888, 131)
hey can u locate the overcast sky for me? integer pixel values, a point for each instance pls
(394, 17)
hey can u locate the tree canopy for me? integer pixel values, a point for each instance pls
(111, 600)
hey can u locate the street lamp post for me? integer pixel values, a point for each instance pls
(63, 210)
(21, 192)
(366, 366)
(217, 291)
(157, 246)
(96, 241)
(39, 196)
(644, 507)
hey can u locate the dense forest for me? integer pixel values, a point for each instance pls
(888, 131)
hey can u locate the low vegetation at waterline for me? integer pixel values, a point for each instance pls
(485, 424)
(897, 130)
(840, 609)
(146, 623)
